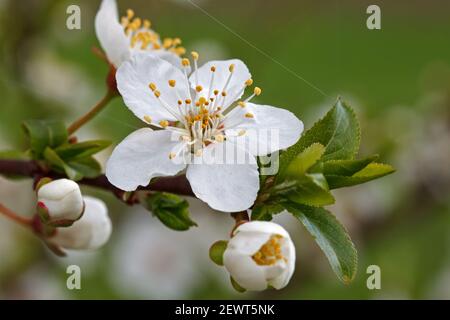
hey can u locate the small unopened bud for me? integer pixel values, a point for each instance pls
(91, 231)
(62, 200)
(260, 255)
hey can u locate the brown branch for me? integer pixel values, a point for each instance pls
(178, 184)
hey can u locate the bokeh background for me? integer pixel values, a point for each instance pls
(396, 78)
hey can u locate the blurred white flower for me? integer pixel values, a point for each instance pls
(152, 261)
(91, 231)
(62, 198)
(121, 39)
(260, 254)
(205, 126)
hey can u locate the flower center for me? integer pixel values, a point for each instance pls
(200, 113)
(270, 252)
(142, 37)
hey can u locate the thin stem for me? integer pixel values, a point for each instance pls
(15, 217)
(240, 218)
(91, 113)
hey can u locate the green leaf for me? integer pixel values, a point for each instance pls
(13, 155)
(81, 150)
(60, 166)
(346, 167)
(216, 251)
(43, 134)
(311, 189)
(305, 160)
(170, 209)
(264, 212)
(88, 167)
(370, 172)
(338, 131)
(332, 238)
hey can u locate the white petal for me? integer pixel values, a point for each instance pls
(225, 186)
(110, 33)
(283, 279)
(62, 198)
(245, 271)
(248, 243)
(170, 57)
(141, 156)
(270, 129)
(90, 232)
(133, 79)
(235, 87)
(263, 227)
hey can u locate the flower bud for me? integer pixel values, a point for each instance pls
(91, 231)
(260, 254)
(62, 199)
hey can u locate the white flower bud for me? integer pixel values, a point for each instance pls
(62, 198)
(90, 232)
(260, 254)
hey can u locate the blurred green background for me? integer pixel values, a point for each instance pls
(396, 78)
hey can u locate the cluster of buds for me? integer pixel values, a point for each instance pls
(66, 219)
(258, 256)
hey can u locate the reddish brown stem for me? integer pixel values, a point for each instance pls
(15, 217)
(178, 184)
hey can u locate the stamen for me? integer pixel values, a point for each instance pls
(257, 91)
(172, 155)
(249, 82)
(152, 86)
(172, 83)
(130, 14)
(148, 119)
(185, 62)
(241, 104)
(249, 115)
(198, 88)
(164, 123)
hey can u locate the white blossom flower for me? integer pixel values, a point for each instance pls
(62, 198)
(121, 39)
(91, 231)
(201, 118)
(260, 254)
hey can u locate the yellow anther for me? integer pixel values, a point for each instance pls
(179, 51)
(224, 93)
(213, 69)
(185, 138)
(148, 119)
(219, 138)
(172, 155)
(241, 133)
(172, 83)
(270, 252)
(156, 46)
(197, 104)
(202, 100)
(199, 152)
(176, 41)
(137, 22)
(185, 62)
(167, 42)
(198, 88)
(216, 92)
(249, 82)
(124, 21)
(180, 102)
(164, 123)
(257, 91)
(188, 101)
(241, 104)
(157, 93)
(147, 24)
(249, 115)
(130, 14)
(231, 67)
(152, 86)
(194, 55)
